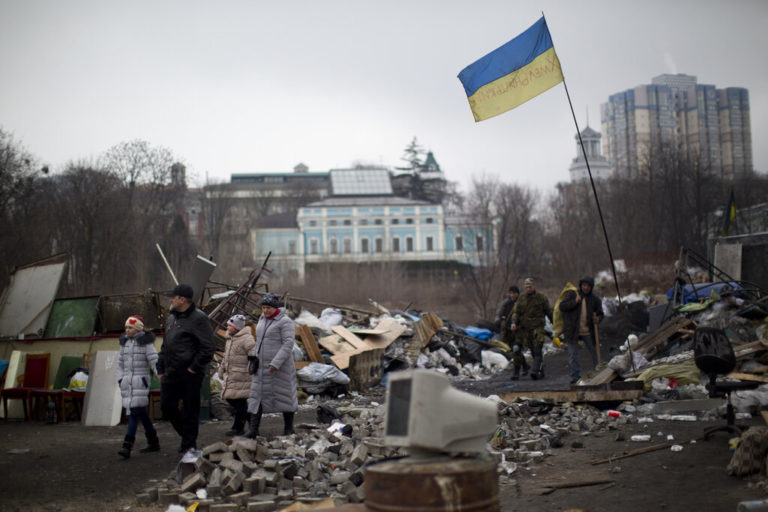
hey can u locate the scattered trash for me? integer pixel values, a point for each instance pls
(639, 438)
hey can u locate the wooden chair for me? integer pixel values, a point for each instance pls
(35, 377)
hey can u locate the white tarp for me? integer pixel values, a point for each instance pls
(26, 304)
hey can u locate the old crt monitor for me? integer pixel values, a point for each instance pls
(424, 412)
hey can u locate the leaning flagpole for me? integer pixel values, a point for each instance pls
(597, 202)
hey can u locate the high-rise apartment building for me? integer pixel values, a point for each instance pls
(674, 111)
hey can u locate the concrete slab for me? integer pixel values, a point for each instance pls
(676, 406)
(102, 406)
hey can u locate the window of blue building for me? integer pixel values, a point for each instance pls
(347, 245)
(409, 244)
(379, 245)
(430, 245)
(395, 244)
(314, 246)
(459, 243)
(334, 245)
(364, 245)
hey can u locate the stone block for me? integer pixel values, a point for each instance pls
(187, 498)
(215, 447)
(359, 454)
(214, 491)
(261, 506)
(144, 498)
(235, 484)
(167, 496)
(224, 507)
(192, 482)
(232, 464)
(241, 498)
(254, 484)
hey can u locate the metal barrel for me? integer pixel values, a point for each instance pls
(446, 484)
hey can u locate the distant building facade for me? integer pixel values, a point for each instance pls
(598, 164)
(362, 221)
(699, 120)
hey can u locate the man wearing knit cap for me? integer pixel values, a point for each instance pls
(528, 320)
(187, 348)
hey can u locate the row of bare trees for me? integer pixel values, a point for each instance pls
(674, 204)
(109, 213)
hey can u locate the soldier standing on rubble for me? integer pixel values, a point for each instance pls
(234, 371)
(273, 388)
(528, 320)
(503, 321)
(582, 311)
(137, 358)
(187, 348)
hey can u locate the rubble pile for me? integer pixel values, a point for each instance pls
(320, 462)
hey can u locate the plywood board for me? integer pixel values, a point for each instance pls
(15, 370)
(392, 330)
(310, 345)
(102, 405)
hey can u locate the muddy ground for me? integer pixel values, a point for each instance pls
(67, 467)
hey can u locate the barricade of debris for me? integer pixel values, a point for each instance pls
(326, 460)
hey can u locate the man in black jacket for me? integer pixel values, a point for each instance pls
(582, 311)
(187, 348)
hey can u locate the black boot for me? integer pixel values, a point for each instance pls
(526, 367)
(253, 426)
(125, 451)
(153, 443)
(516, 374)
(288, 423)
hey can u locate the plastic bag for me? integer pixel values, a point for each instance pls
(253, 364)
(316, 377)
(78, 382)
(330, 317)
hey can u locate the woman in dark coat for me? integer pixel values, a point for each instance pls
(273, 387)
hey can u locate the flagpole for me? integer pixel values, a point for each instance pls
(597, 200)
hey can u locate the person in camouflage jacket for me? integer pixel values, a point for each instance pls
(528, 320)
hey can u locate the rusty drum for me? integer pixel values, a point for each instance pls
(435, 484)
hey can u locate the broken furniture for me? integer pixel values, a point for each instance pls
(714, 356)
(60, 395)
(35, 377)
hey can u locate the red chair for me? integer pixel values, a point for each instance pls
(35, 377)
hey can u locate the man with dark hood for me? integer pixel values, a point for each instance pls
(582, 311)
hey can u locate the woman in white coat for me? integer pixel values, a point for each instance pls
(273, 388)
(137, 358)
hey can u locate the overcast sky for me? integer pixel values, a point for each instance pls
(259, 86)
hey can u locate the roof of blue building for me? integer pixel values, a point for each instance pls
(367, 201)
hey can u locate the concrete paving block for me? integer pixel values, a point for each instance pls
(261, 506)
(192, 482)
(143, 498)
(224, 507)
(166, 497)
(187, 498)
(219, 446)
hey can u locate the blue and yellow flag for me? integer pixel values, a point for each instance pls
(729, 214)
(512, 74)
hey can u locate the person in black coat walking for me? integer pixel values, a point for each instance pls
(582, 311)
(187, 348)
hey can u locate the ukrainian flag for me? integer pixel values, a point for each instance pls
(512, 74)
(729, 214)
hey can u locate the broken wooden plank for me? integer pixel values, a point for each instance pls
(349, 336)
(748, 376)
(646, 449)
(575, 395)
(309, 342)
(392, 330)
(426, 327)
(550, 488)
